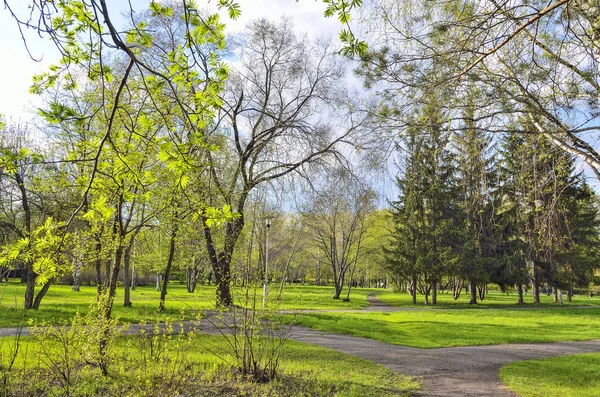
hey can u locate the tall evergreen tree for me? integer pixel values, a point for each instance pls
(476, 184)
(425, 213)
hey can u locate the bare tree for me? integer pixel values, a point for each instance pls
(335, 218)
(276, 119)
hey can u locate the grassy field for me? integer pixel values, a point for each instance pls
(62, 303)
(465, 327)
(305, 370)
(495, 299)
(570, 376)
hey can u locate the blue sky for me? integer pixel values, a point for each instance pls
(17, 67)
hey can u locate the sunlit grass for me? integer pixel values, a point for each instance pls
(492, 299)
(569, 376)
(305, 370)
(62, 303)
(465, 327)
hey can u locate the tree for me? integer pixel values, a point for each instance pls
(274, 123)
(26, 216)
(531, 59)
(476, 184)
(426, 213)
(336, 219)
(538, 188)
(580, 257)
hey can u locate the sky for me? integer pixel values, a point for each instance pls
(17, 67)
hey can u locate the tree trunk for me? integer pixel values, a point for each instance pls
(535, 282)
(520, 292)
(434, 293)
(457, 288)
(191, 278)
(98, 264)
(347, 299)
(221, 262)
(570, 293)
(40, 296)
(114, 276)
(126, 280)
(554, 294)
(29, 273)
(223, 280)
(473, 288)
(338, 287)
(481, 290)
(133, 278)
(413, 290)
(77, 272)
(30, 288)
(163, 293)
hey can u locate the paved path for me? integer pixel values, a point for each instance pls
(445, 372)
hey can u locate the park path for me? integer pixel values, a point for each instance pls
(443, 372)
(446, 372)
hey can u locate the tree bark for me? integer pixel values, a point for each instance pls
(163, 292)
(473, 288)
(98, 264)
(520, 292)
(30, 287)
(191, 278)
(535, 282)
(457, 288)
(221, 262)
(29, 273)
(481, 290)
(126, 280)
(40, 296)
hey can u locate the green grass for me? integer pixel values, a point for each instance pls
(495, 299)
(569, 376)
(466, 327)
(305, 370)
(61, 303)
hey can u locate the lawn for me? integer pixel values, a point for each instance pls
(305, 370)
(494, 299)
(62, 303)
(569, 376)
(465, 327)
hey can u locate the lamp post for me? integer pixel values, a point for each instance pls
(266, 278)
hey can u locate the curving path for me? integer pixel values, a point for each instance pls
(443, 372)
(453, 371)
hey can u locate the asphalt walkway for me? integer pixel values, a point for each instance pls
(444, 372)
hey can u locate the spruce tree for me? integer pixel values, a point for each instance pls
(425, 213)
(475, 162)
